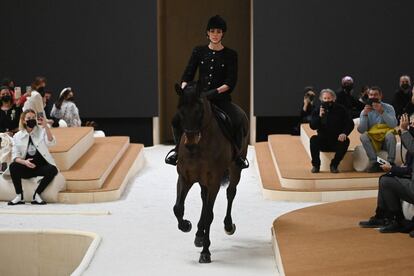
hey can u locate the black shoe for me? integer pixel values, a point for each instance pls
(333, 169)
(19, 199)
(17, 203)
(315, 169)
(172, 159)
(373, 222)
(374, 168)
(242, 162)
(392, 226)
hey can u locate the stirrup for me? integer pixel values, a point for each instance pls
(171, 159)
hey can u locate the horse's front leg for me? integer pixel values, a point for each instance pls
(182, 190)
(229, 226)
(212, 190)
(199, 236)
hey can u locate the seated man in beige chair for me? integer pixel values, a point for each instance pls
(377, 128)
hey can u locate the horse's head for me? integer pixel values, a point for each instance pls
(191, 111)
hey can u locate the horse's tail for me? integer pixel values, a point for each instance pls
(226, 179)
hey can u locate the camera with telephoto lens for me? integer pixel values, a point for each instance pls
(371, 101)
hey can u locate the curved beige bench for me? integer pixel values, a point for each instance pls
(7, 191)
(46, 251)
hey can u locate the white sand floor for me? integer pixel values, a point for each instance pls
(140, 236)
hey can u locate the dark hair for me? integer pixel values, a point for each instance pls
(38, 80)
(62, 97)
(377, 88)
(308, 88)
(6, 81)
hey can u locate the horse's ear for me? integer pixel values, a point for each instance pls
(178, 89)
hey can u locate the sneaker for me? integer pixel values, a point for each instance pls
(392, 227)
(17, 200)
(374, 168)
(373, 222)
(333, 169)
(315, 169)
(37, 200)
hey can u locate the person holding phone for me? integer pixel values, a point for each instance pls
(377, 128)
(31, 157)
(9, 112)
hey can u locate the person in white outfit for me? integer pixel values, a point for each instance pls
(31, 157)
(65, 108)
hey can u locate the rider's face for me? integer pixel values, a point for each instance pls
(215, 35)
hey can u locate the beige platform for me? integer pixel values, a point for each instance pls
(326, 240)
(92, 169)
(272, 188)
(46, 252)
(132, 161)
(72, 144)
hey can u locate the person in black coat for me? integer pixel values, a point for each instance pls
(403, 97)
(217, 66)
(333, 124)
(345, 97)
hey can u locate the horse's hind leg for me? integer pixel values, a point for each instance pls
(182, 190)
(199, 236)
(229, 226)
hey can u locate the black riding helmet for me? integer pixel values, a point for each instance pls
(216, 22)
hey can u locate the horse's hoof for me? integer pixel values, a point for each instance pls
(204, 258)
(199, 241)
(185, 226)
(230, 231)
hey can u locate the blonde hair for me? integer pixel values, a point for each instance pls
(22, 123)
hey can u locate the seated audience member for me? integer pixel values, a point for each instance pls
(10, 84)
(363, 96)
(66, 109)
(333, 124)
(393, 188)
(307, 108)
(402, 96)
(31, 157)
(345, 97)
(9, 113)
(377, 123)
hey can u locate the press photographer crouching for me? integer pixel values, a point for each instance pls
(393, 188)
(333, 124)
(31, 156)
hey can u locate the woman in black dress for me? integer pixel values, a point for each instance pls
(217, 66)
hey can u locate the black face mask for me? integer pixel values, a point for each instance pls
(6, 98)
(41, 90)
(411, 130)
(348, 87)
(31, 123)
(405, 86)
(327, 105)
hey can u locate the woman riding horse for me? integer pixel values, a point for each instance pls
(218, 75)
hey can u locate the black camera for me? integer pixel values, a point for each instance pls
(371, 101)
(310, 96)
(326, 105)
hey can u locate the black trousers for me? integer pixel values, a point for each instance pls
(320, 143)
(19, 171)
(390, 193)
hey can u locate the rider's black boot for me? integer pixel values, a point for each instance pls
(172, 155)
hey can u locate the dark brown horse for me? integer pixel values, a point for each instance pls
(206, 157)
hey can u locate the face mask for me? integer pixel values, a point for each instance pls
(348, 87)
(327, 105)
(31, 123)
(41, 90)
(6, 98)
(405, 86)
(411, 130)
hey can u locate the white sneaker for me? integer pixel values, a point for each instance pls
(38, 200)
(17, 200)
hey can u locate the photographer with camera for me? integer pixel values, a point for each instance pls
(333, 124)
(377, 128)
(345, 97)
(306, 110)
